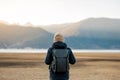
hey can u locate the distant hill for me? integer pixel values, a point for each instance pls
(91, 33)
(16, 36)
(95, 33)
(95, 27)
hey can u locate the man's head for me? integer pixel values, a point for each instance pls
(58, 37)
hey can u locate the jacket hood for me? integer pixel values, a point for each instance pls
(59, 45)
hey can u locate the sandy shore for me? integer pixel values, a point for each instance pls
(89, 66)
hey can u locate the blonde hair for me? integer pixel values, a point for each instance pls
(58, 37)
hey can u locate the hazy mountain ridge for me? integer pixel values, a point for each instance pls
(91, 33)
(98, 26)
(16, 36)
(96, 33)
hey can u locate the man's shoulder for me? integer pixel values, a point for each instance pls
(68, 48)
(50, 49)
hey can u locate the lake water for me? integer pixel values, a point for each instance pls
(45, 51)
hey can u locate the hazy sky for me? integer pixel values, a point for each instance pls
(46, 12)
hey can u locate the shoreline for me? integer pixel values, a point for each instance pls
(45, 51)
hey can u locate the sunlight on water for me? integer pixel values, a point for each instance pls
(45, 51)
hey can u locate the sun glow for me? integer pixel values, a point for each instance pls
(44, 12)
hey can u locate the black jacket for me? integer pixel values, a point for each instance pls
(49, 59)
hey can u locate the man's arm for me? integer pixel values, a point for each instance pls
(72, 59)
(49, 58)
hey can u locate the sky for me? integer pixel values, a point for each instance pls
(46, 12)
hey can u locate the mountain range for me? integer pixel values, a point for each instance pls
(91, 33)
(16, 36)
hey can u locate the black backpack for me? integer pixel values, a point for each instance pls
(60, 61)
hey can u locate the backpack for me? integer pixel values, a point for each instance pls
(60, 61)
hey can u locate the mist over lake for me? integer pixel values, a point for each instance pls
(45, 51)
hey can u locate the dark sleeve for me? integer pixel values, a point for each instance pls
(49, 57)
(72, 59)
